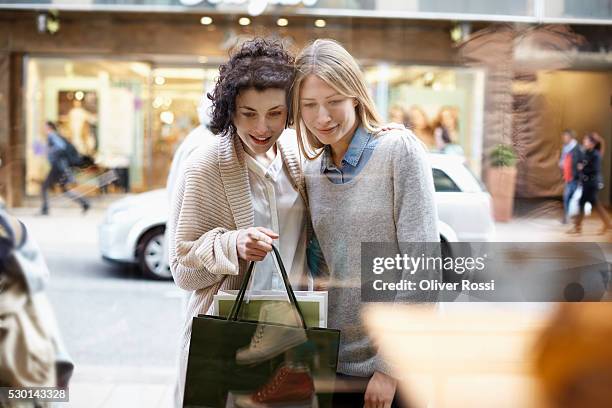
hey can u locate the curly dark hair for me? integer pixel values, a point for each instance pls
(259, 63)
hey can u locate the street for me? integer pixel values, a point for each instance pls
(120, 329)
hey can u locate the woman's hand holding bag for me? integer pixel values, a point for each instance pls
(253, 244)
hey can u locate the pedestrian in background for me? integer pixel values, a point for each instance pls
(568, 162)
(60, 172)
(192, 141)
(591, 179)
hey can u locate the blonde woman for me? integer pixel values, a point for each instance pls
(364, 185)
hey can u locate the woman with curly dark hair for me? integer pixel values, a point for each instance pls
(241, 190)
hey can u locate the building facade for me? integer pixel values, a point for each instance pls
(123, 80)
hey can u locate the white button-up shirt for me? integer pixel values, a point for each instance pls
(279, 207)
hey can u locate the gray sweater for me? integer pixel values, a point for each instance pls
(391, 200)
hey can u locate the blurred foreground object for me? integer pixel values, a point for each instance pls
(574, 357)
(31, 350)
(468, 355)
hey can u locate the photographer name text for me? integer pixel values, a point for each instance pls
(405, 285)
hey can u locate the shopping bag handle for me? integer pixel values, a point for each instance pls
(245, 283)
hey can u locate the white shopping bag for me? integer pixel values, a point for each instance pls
(312, 303)
(574, 204)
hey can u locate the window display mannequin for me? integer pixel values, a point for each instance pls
(79, 121)
(419, 124)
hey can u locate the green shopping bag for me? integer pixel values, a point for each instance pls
(240, 363)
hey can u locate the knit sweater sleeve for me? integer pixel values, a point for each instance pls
(202, 237)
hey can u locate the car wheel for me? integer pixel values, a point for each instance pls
(151, 254)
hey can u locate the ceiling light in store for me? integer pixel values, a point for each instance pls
(69, 69)
(320, 23)
(428, 77)
(160, 80)
(202, 60)
(167, 117)
(140, 68)
(455, 34)
(282, 22)
(79, 95)
(244, 21)
(206, 20)
(167, 102)
(460, 32)
(48, 22)
(158, 102)
(180, 73)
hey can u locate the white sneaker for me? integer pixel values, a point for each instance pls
(269, 339)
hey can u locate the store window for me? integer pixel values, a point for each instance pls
(442, 105)
(127, 117)
(99, 106)
(176, 95)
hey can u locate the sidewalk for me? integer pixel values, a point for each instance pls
(540, 220)
(31, 205)
(118, 387)
(549, 229)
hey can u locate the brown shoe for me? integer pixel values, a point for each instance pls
(604, 230)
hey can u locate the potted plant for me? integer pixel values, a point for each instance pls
(501, 179)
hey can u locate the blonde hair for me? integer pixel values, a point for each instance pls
(328, 60)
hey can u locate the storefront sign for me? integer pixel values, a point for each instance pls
(254, 7)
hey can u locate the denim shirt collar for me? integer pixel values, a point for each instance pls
(353, 153)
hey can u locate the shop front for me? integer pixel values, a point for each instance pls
(124, 87)
(443, 105)
(127, 116)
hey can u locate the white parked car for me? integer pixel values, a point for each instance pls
(133, 228)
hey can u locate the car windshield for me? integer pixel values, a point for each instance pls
(443, 183)
(482, 185)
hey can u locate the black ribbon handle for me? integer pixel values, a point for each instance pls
(233, 315)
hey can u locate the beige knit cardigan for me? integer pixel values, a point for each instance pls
(211, 202)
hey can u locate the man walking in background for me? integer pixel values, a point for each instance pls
(570, 157)
(60, 173)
